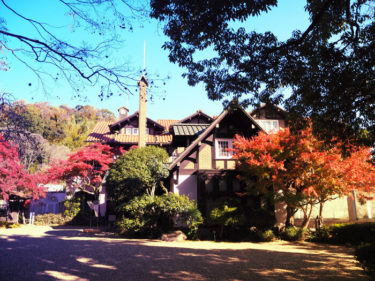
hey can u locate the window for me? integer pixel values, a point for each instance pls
(222, 147)
(135, 131)
(147, 131)
(269, 125)
(128, 131)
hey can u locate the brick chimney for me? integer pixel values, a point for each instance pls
(122, 112)
(142, 83)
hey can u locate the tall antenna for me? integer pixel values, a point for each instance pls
(144, 57)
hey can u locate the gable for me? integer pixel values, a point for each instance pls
(198, 117)
(231, 121)
(132, 121)
(269, 111)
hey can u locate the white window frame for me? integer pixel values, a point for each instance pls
(218, 153)
(147, 131)
(135, 131)
(269, 125)
(128, 131)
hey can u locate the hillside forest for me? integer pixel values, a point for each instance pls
(44, 133)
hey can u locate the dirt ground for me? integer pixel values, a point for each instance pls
(47, 253)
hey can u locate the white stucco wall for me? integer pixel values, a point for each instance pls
(187, 185)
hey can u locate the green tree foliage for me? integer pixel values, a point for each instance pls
(328, 67)
(59, 125)
(137, 172)
(152, 215)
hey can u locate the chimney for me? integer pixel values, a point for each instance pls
(122, 112)
(142, 83)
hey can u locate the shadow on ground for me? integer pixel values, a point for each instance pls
(70, 254)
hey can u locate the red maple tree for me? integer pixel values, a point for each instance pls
(300, 170)
(84, 170)
(14, 179)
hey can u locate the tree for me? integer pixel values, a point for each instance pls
(328, 67)
(300, 171)
(14, 179)
(32, 149)
(137, 172)
(55, 50)
(84, 170)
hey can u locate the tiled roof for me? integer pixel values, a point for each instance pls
(101, 133)
(157, 139)
(167, 123)
(189, 129)
(119, 124)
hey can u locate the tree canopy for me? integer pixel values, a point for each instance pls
(328, 67)
(14, 179)
(84, 170)
(53, 47)
(300, 170)
(137, 172)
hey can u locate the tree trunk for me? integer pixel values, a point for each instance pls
(289, 216)
(321, 205)
(307, 217)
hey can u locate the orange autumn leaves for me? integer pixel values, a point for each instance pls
(299, 165)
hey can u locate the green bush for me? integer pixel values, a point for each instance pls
(294, 233)
(72, 207)
(137, 172)
(257, 235)
(50, 219)
(268, 236)
(322, 234)
(226, 213)
(354, 234)
(366, 255)
(148, 216)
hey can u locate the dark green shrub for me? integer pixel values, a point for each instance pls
(322, 234)
(50, 219)
(226, 213)
(354, 234)
(257, 235)
(294, 233)
(366, 255)
(148, 216)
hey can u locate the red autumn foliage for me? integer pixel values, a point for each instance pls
(14, 179)
(84, 170)
(300, 170)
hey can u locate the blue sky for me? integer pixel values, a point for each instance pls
(174, 100)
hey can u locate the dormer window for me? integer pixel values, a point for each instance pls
(222, 148)
(269, 125)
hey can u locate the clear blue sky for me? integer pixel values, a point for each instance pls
(175, 100)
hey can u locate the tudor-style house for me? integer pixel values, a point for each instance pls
(200, 164)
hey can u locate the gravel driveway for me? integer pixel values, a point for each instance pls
(45, 253)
